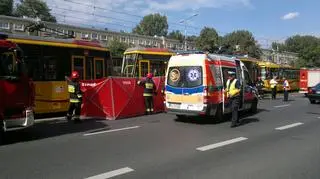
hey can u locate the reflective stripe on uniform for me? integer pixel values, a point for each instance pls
(147, 94)
(71, 89)
(149, 85)
(74, 101)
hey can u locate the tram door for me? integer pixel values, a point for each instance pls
(144, 68)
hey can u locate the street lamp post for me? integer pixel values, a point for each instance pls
(185, 29)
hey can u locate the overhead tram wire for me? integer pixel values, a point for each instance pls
(137, 16)
(92, 14)
(79, 18)
(123, 13)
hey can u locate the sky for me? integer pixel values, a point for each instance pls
(268, 20)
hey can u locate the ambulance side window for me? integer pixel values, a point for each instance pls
(215, 70)
(247, 78)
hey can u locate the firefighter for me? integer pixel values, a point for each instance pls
(75, 97)
(260, 86)
(233, 94)
(149, 91)
(286, 88)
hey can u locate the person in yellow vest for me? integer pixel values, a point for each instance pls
(75, 97)
(273, 85)
(149, 91)
(286, 88)
(233, 94)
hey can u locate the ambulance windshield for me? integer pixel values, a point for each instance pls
(185, 76)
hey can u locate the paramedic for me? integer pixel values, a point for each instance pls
(233, 93)
(286, 88)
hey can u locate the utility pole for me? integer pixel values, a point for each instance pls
(185, 29)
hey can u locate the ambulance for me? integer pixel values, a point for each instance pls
(195, 85)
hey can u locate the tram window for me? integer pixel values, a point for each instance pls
(78, 66)
(99, 69)
(129, 62)
(50, 68)
(158, 68)
(89, 68)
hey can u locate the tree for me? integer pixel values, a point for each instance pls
(192, 38)
(307, 47)
(176, 35)
(33, 9)
(242, 41)
(151, 25)
(6, 7)
(208, 39)
(117, 48)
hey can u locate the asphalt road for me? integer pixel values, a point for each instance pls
(280, 141)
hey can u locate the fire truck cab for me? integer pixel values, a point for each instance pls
(195, 85)
(16, 89)
(308, 78)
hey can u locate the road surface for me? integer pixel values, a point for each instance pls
(280, 141)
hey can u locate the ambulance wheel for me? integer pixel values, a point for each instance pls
(219, 114)
(181, 117)
(312, 101)
(254, 106)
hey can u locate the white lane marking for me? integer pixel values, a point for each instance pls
(220, 144)
(289, 126)
(113, 173)
(108, 131)
(282, 106)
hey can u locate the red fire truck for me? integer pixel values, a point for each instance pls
(308, 78)
(16, 89)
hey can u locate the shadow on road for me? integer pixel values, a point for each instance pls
(49, 129)
(244, 118)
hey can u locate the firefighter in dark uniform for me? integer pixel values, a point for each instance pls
(233, 93)
(75, 97)
(149, 91)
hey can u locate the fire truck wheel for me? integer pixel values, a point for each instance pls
(219, 114)
(254, 106)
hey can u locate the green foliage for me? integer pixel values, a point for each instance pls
(307, 47)
(208, 39)
(242, 41)
(33, 9)
(151, 25)
(176, 35)
(192, 38)
(117, 48)
(6, 7)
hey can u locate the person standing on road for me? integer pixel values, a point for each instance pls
(260, 86)
(286, 88)
(149, 91)
(273, 85)
(75, 97)
(233, 94)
